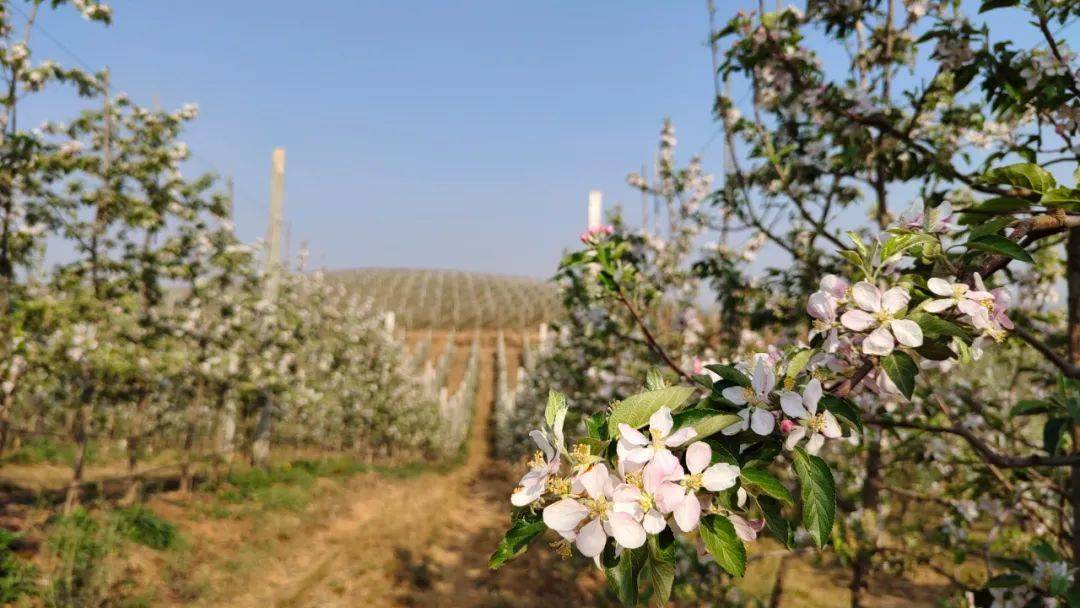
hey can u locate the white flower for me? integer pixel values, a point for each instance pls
(606, 516)
(884, 307)
(822, 307)
(634, 447)
(682, 500)
(804, 408)
(543, 466)
(644, 496)
(954, 294)
(756, 395)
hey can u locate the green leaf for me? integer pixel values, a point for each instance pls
(661, 568)
(1021, 175)
(989, 227)
(934, 326)
(994, 243)
(704, 421)
(517, 539)
(1061, 197)
(654, 380)
(596, 425)
(723, 544)
(1053, 432)
(636, 409)
(1030, 407)
(622, 572)
(901, 370)
(730, 374)
(1000, 204)
(842, 409)
(818, 495)
(775, 521)
(555, 414)
(760, 482)
(989, 5)
(798, 362)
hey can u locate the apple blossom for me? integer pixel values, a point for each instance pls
(605, 515)
(880, 311)
(634, 447)
(543, 466)
(755, 396)
(959, 295)
(683, 500)
(804, 408)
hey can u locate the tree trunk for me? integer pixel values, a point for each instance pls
(5, 415)
(260, 445)
(870, 498)
(1072, 275)
(189, 435)
(80, 431)
(134, 483)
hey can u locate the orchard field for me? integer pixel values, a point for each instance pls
(845, 371)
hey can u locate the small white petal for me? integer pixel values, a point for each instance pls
(631, 434)
(907, 332)
(594, 480)
(815, 443)
(626, 530)
(866, 296)
(895, 299)
(792, 404)
(688, 513)
(735, 394)
(879, 342)
(761, 421)
(938, 305)
(592, 538)
(794, 437)
(940, 286)
(661, 421)
(812, 395)
(832, 428)
(653, 522)
(565, 514)
(698, 456)
(857, 320)
(719, 477)
(680, 437)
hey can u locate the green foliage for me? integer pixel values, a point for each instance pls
(818, 495)
(635, 410)
(85, 548)
(16, 575)
(516, 540)
(901, 369)
(723, 544)
(141, 525)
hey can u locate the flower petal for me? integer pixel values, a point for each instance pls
(669, 496)
(661, 421)
(813, 446)
(698, 456)
(565, 514)
(741, 425)
(762, 421)
(879, 342)
(907, 332)
(594, 479)
(894, 300)
(821, 305)
(543, 444)
(940, 286)
(592, 538)
(857, 320)
(938, 305)
(653, 522)
(735, 394)
(794, 437)
(792, 404)
(866, 296)
(688, 513)
(632, 435)
(812, 395)
(831, 429)
(719, 476)
(680, 437)
(745, 530)
(626, 530)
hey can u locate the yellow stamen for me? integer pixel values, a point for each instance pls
(562, 548)
(538, 461)
(693, 482)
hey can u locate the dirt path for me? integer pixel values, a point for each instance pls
(413, 542)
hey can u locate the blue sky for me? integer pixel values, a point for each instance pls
(463, 135)
(419, 134)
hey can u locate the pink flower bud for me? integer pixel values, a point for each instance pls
(786, 426)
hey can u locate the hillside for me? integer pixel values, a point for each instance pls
(452, 299)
